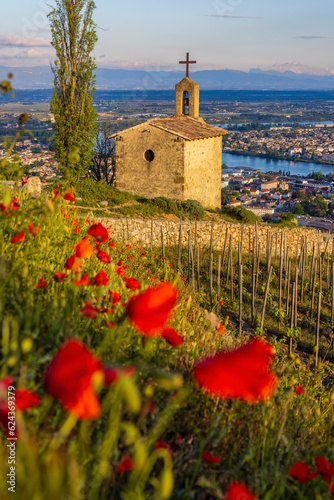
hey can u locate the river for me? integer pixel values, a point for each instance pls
(268, 164)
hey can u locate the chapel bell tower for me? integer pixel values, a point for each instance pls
(187, 94)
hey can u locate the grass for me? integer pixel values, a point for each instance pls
(59, 457)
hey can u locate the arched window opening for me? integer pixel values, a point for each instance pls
(185, 107)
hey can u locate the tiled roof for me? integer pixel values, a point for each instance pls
(188, 128)
(182, 126)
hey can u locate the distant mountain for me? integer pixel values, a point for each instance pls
(40, 77)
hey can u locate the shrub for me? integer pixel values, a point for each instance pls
(240, 214)
(193, 208)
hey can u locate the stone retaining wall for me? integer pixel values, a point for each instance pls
(144, 231)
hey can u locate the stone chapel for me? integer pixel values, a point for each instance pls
(178, 157)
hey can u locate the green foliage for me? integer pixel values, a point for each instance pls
(73, 38)
(286, 217)
(298, 209)
(194, 208)
(240, 214)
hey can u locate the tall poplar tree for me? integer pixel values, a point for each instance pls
(73, 37)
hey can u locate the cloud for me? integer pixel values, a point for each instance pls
(298, 68)
(24, 41)
(37, 56)
(232, 16)
(312, 37)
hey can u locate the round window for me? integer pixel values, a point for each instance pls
(149, 155)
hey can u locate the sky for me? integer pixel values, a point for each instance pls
(153, 35)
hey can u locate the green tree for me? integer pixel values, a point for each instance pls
(73, 37)
(298, 209)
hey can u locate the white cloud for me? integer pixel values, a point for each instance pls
(232, 16)
(297, 67)
(24, 41)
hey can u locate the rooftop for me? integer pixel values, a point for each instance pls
(182, 126)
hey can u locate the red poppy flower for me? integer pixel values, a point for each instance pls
(110, 375)
(12, 205)
(69, 196)
(150, 310)
(210, 459)
(69, 379)
(83, 281)
(76, 230)
(25, 399)
(324, 468)
(32, 229)
(70, 261)
(241, 373)
(99, 232)
(301, 472)
(101, 278)
(109, 324)
(165, 446)
(89, 310)
(18, 237)
(42, 283)
(299, 390)
(59, 277)
(331, 488)
(103, 256)
(24, 181)
(84, 249)
(120, 271)
(132, 284)
(220, 328)
(56, 193)
(74, 222)
(171, 336)
(120, 263)
(238, 491)
(112, 244)
(114, 297)
(125, 465)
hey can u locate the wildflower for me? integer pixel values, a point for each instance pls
(125, 465)
(99, 232)
(109, 324)
(84, 249)
(120, 271)
(24, 399)
(89, 310)
(101, 278)
(59, 277)
(70, 262)
(83, 281)
(76, 230)
(24, 181)
(56, 193)
(69, 379)
(103, 256)
(299, 390)
(32, 229)
(69, 196)
(132, 284)
(241, 373)
(114, 297)
(12, 205)
(301, 472)
(150, 310)
(238, 491)
(42, 283)
(172, 337)
(210, 459)
(112, 244)
(324, 468)
(220, 328)
(17, 237)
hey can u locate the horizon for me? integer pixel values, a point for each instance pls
(227, 34)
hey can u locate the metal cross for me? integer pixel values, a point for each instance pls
(187, 62)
